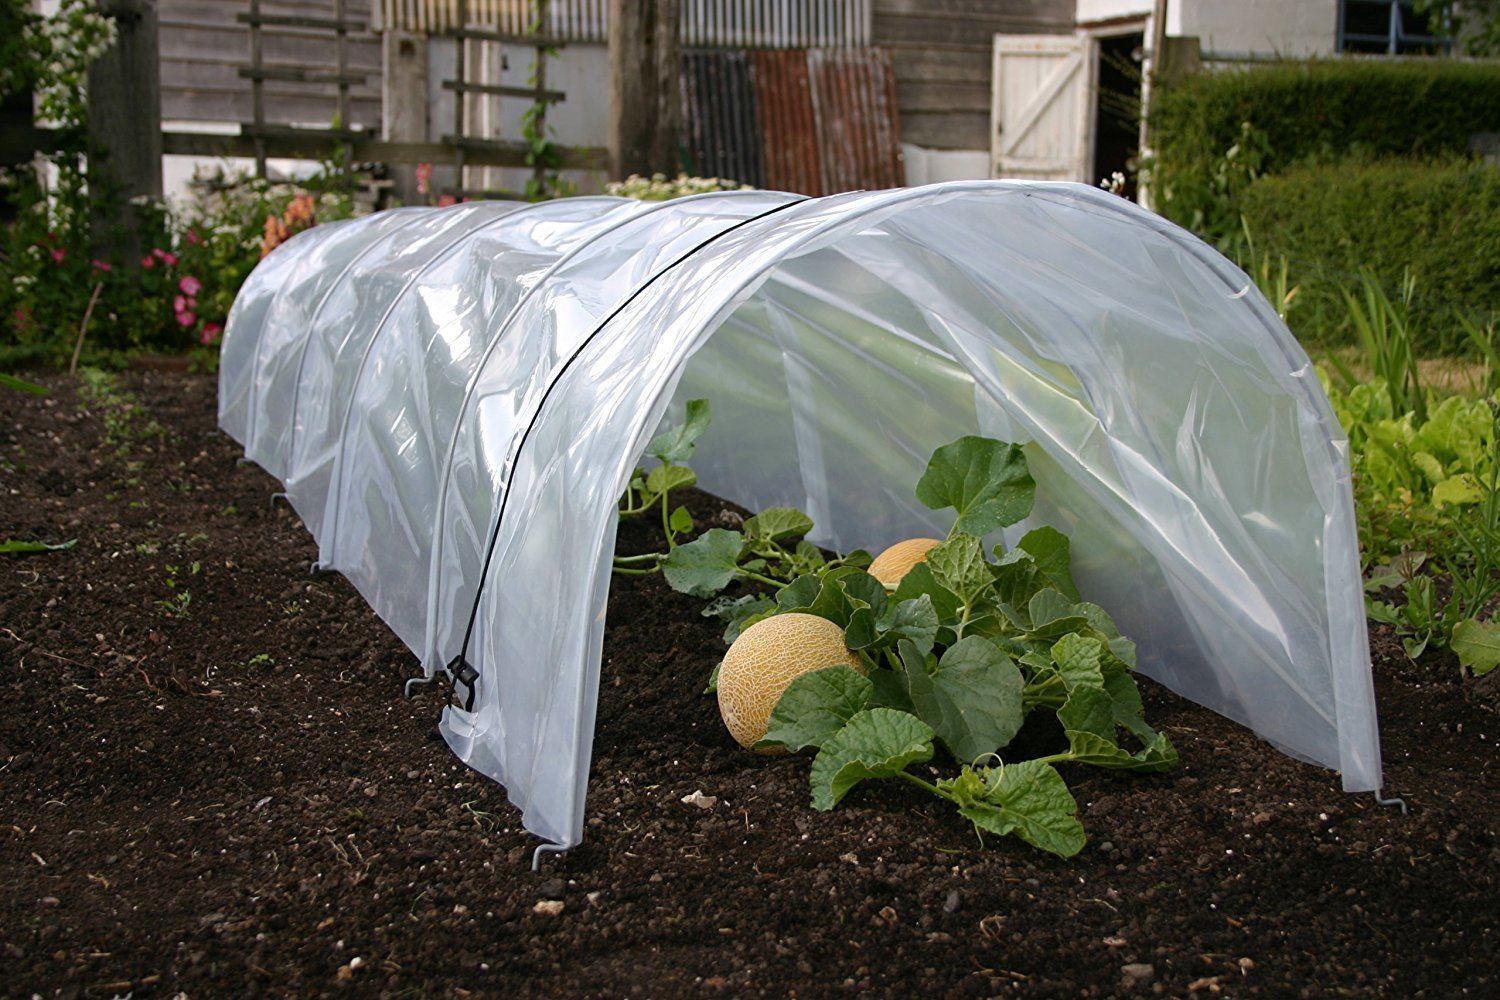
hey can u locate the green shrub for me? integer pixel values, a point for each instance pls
(1332, 223)
(1299, 111)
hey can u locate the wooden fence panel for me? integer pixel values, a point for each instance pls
(203, 45)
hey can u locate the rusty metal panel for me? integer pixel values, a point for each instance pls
(788, 128)
(853, 93)
(814, 121)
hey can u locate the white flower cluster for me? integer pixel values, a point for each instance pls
(658, 187)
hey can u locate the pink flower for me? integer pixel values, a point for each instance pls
(166, 258)
(447, 200)
(209, 333)
(180, 304)
(100, 265)
(424, 177)
(186, 319)
(192, 237)
(57, 256)
(190, 285)
(148, 261)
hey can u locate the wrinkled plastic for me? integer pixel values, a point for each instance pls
(475, 358)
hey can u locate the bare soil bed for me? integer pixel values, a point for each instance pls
(225, 795)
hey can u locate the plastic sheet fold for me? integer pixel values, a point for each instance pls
(456, 397)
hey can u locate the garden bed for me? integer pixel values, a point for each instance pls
(225, 793)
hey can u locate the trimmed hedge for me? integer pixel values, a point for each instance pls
(1300, 111)
(1442, 220)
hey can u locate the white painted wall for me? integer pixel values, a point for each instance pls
(581, 71)
(1279, 27)
(930, 166)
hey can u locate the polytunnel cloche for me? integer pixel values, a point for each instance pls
(456, 397)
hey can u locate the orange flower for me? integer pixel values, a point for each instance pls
(300, 211)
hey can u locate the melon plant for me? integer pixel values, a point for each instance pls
(948, 650)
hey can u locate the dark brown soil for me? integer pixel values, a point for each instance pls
(226, 796)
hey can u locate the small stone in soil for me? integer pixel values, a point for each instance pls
(1138, 973)
(553, 888)
(548, 907)
(950, 905)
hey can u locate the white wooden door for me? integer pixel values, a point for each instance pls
(1042, 116)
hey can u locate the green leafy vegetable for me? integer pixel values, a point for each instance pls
(1031, 800)
(984, 480)
(675, 444)
(817, 705)
(776, 524)
(704, 566)
(971, 696)
(1477, 645)
(875, 743)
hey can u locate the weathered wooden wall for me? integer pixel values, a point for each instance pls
(203, 46)
(943, 51)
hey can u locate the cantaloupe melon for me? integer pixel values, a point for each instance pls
(895, 562)
(767, 657)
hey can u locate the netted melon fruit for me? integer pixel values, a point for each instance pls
(895, 562)
(767, 657)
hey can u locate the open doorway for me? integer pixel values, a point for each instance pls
(1117, 107)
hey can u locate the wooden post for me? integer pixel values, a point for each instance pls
(124, 127)
(645, 65)
(404, 101)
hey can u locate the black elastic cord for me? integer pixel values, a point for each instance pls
(459, 666)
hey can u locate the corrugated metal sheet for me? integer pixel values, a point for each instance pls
(575, 20)
(854, 101)
(719, 115)
(705, 23)
(788, 127)
(816, 121)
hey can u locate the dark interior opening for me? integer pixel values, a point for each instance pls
(1117, 109)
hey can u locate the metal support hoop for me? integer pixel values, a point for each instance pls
(536, 855)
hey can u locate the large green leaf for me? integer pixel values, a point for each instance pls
(915, 620)
(1052, 555)
(1477, 645)
(972, 700)
(1089, 748)
(675, 444)
(985, 480)
(1088, 710)
(919, 581)
(665, 478)
(1078, 660)
(816, 705)
(958, 565)
(1032, 801)
(876, 743)
(799, 593)
(775, 524)
(1052, 615)
(704, 566)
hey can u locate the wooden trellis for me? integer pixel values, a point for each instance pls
(258, 73)
(462, 139)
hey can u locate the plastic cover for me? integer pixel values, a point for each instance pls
(456, 398)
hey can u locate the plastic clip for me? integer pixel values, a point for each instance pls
(464, 673)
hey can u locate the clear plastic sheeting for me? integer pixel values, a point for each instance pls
(456, 399)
